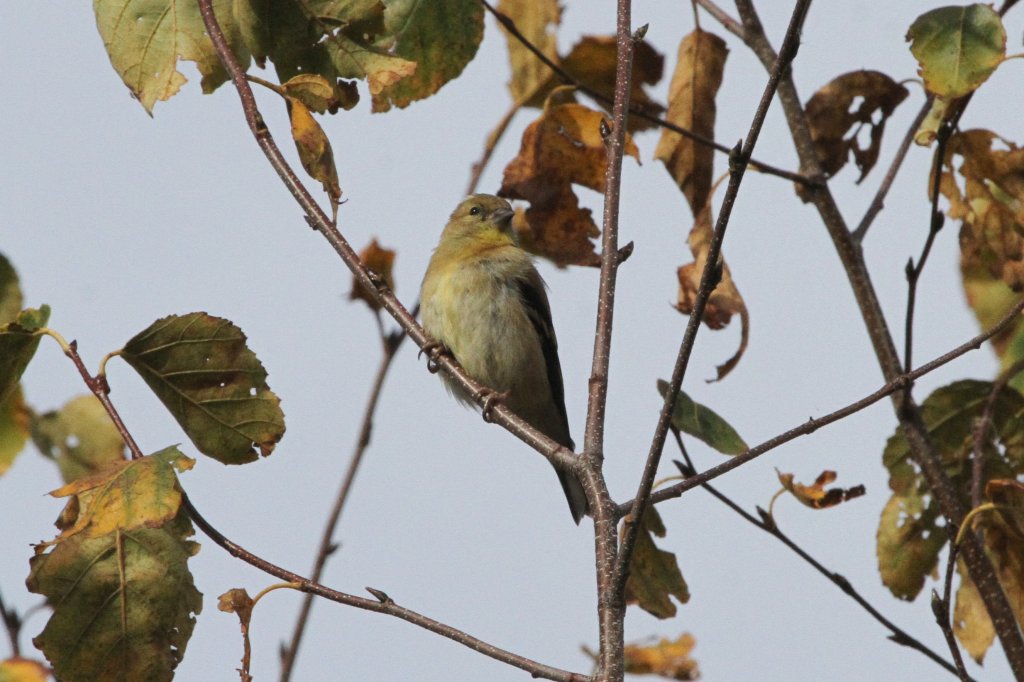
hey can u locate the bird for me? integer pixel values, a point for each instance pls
(484, 302)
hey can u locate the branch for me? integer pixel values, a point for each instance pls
(611, 606)
(922, 449)
(709, 280)
(383, 604)
(391, 344)
(941, 610)
(899, 383)
(12, 623)
(768, 525)
(500, 414)
(634, 110)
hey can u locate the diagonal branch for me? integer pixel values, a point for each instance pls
(559, 455)
(383, 604)
(768, 525)
(634, 110)
(898, 383)
(709, 280)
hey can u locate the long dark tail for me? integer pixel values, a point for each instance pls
(574, 494)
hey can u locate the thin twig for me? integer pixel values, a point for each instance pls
(611, 607)
(768, 525)
(289, 653)
(900, 382)
(878, 202)
(981, 428)
(936, 220)
(941, 607)
(709, 280)
(382, 604)
(500, 414)
(634, 110)
(722, 17)
(492, 141)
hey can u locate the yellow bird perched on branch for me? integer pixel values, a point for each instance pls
(484, 301)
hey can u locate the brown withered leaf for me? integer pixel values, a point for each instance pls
(379, 260)
(592, 63)
(315, 151)
(536, 20)
(654, 574)
(691, 104)
(836, 123)
(668, 659)
(724, 302)
(815, 495)
(562, 147)
(989, 203)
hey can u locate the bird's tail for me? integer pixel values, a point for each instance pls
(574, 494)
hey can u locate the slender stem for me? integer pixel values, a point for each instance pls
(878, 203)
(922, 448)
(768, 525)
(500, 414)
(611, 606)
(722, 17)
(634, 110)
(981, 431)
(941, 608)
(936, 221)
(492, 141)
(327, 547)
(709, 280)
(383, 604)
(898, 383)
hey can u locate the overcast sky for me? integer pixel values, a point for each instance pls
(116, 219)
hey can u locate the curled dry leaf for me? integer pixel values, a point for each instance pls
(725, 300)
(379, 260)
(562, 147)
(989, 203)
(815, 495)
(668, 659)
(846, 105)
(319, 95)
(315, 151)
(691, 104)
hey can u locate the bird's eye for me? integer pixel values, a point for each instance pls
(474, 211)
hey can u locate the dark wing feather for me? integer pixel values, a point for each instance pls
(536, 301)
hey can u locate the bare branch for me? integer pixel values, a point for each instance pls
(709, 280)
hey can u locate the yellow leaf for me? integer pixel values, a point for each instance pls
(314, 148)
(691, 105)
(535, 19)
(815, 495)
(17, 669)
(668, 659)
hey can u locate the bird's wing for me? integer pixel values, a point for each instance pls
(535, 300)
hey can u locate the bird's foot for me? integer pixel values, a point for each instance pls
(491, 399)
(433, 350)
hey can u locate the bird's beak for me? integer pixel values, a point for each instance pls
(503, 216)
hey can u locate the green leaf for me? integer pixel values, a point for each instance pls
(908, 543)
(146, 38)
(10, 291)
(957, 48)
(15, 419)
(703, 423)
(124, 603)
(654, 574)
(18, 342)
(202, 371)
(79, 437)
(440, 38)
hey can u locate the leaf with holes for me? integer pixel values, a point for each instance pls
(80, 437)
(201, 369)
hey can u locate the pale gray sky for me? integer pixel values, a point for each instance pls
(116, 219)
